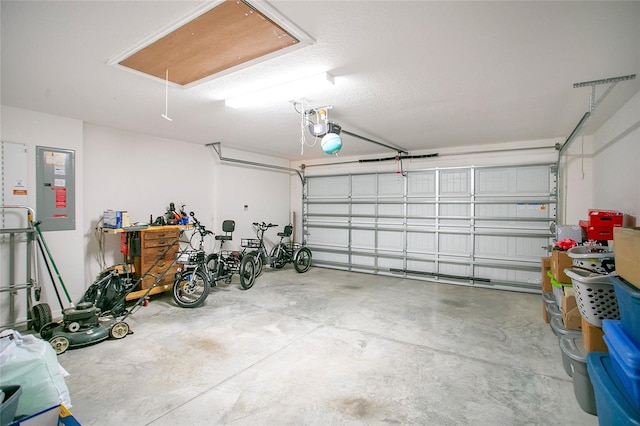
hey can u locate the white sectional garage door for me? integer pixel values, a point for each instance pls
(485, 226)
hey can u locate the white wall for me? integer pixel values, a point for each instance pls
(122, 170)
(140, 174)
(35, 129)
(264, 191)
(616, 182)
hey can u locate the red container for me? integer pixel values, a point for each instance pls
(598, 233)
(604, 218)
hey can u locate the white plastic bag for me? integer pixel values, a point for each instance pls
(32, 363)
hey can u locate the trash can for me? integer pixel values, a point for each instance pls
(582, 388)
(558, 328)
(9, 396)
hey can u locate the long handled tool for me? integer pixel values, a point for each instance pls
(53, 281)
(36, 226)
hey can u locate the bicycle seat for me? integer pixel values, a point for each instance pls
(288, 230)
(228, 226)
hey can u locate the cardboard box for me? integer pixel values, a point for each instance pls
(545, 314)
(568, 301)
(572, 319)
(560, 261)
(626, 249)
(545, 265)
(592, 337)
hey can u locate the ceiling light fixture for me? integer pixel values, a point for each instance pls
(282, 92)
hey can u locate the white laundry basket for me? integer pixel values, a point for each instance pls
(598, 259)
(595, 295)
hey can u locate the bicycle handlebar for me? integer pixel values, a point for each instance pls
(263, 225)
(200, 227)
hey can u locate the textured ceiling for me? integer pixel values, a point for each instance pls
(418, 75)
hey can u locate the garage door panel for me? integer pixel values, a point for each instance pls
(510, 247)
(455, 182)
(329, 237)
(421, 184)
(364, 186)
(421, 242)
(454, 244)
(328, 187)
(363, 239)
(390, 185)
(391, 241)
(421, 266)
(390, 263)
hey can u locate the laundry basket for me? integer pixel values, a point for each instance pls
(598, 259)
(595, 295)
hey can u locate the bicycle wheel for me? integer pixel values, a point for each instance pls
(191, 289)
(302, 260)
(259, 263)
(278, 256)
(212, 266)
(247, 272)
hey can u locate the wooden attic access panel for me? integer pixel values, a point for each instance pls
(228, 35)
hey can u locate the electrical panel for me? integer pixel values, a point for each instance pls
(55, 189)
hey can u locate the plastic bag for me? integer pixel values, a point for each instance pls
(32, 363)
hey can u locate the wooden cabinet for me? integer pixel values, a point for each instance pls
(158, 248)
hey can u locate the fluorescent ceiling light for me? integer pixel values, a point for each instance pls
(283, 92)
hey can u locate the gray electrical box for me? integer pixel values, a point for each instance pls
(55, 189)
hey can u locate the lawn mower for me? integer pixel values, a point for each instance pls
(82, 325)
(95, 317)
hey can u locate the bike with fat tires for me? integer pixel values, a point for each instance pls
(282, 253)
(198, 272)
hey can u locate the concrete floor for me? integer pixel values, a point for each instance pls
(329, 348)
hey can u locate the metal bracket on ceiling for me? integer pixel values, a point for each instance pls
(593, 103)
(217, 147)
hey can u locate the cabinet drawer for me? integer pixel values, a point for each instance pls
(159, 267)
(152, 253)
(160, 242)
(165, 234)
(149, 280)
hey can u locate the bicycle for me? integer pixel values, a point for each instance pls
(289, 252)
(281, 254)
(197, 272)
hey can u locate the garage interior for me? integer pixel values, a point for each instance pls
(428, 167)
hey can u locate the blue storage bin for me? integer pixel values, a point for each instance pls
(625, 357)
(612, 401)
(628, 297)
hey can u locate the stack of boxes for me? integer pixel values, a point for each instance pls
(577, 336)
(616, 375)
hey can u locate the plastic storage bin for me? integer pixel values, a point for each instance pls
(552, 312)
(613, 403)
(628, 297)
(595, 296)
(557, 289)
(10, 396)
(559, 330)
(625, 357)
(582, 388)
(596, 259)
